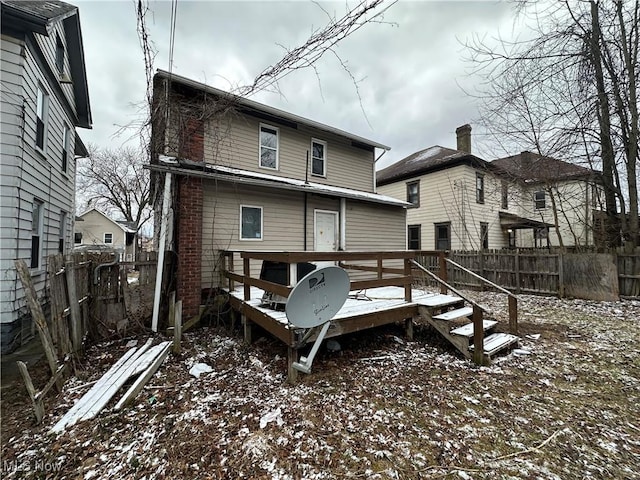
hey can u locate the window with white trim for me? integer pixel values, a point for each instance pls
(479, 188)
(250, 222)
(108, 238)
(36, 233)
(318, 158)
(66, 141)
(539, 200)
(42, 107)
(268, 147)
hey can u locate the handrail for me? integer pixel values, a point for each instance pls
(442, 282)
(480, 277)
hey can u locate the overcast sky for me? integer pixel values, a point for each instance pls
(409, 69)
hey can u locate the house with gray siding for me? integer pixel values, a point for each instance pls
(460, 201)
(44, 99)
(247, 176)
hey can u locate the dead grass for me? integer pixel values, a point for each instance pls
(381, 408)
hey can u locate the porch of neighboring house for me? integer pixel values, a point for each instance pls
(384, 289)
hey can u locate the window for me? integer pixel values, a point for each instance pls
(484, 235)
(108, 238)
(63, 231)
(479, 188)
(66, 134)
(512, 238)
(250, 223)
(541, 237)
(36, 233)
(268, 147)
(77, 238)
(413, 237)
(59, 54)
(413, 193)
(41, 117)
(318, 158)
(443, 236)
(505, 195)
(539, 200)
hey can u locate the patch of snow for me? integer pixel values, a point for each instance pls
(199, 368)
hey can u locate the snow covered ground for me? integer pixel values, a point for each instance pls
(566, 405)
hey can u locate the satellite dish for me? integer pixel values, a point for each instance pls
(314, 301)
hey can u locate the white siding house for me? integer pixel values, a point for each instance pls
(95, 229)
(462, 202)
(44, 99)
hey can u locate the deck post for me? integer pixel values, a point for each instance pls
(230, 268)
(245, 280)
(248, 330)
(478, 336)
(379, 266)
(407, 286)
(408, 328)
(293, 356)
(513, 315)
(443, 270)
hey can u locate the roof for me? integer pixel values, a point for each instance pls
(218, 172)
(128, 227)
(516, 222)
(38, 17)
(274, 112)
(533, 168)
(425, 161)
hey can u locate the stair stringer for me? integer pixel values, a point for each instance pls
(443, 327)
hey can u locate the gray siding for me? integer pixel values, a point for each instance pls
(29, 173)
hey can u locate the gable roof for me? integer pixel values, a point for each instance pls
(531, 167)
(128, 227)
(426, 161)
(38, 17)
(253, 106)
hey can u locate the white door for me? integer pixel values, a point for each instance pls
(325, 233)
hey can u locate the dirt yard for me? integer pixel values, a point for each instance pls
(381, 408)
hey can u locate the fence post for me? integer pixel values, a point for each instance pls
(561, 275)
(513, 315)
(443, 270)
(74, 306)
(517, 268)
(481, 268)
(478, 336)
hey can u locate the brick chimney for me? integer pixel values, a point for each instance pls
(463, 136)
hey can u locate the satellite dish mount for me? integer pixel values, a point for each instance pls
(313, 302)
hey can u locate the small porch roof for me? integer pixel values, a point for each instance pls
(229, 174)
(516, 222)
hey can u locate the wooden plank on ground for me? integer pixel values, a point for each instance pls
(82, 405)
(133, 391)
(37, 404)
(177, 333)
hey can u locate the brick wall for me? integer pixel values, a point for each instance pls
(189, 224)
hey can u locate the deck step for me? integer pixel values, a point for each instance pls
(496, 342)
(454, 314)
(440, 300)
(467, 330)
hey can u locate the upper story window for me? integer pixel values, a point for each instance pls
(413, 193)
(59, 54)
(66, 141)
(319, 158)
(505, 195)
(108, 238)
(479, 188)
(250, 222)
(484, 235)
(36, 233)
(42, 107)
(539, 200)
(268, 147)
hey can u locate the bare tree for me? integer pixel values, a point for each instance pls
(113, 180)
(570, 91)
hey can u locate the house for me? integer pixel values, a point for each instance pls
(252, 177)
(462, 202)
(95, 229)
(44, 99)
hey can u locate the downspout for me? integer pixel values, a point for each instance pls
(375, 187)
(306, 201)
(343, 224)
(161, 247)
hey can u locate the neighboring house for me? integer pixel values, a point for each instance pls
(44, 99)
(252, 177)
(94, 228)
(462, 202)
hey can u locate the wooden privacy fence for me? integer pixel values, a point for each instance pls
(595, 276)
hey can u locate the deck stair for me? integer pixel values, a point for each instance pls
(452, 319)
